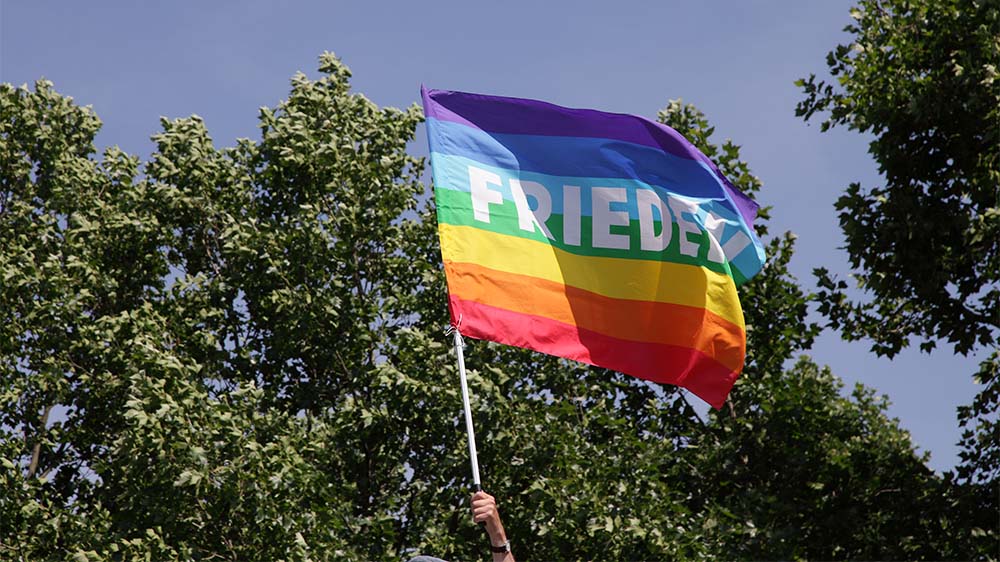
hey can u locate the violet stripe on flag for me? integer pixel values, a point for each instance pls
(599, 237)
(499, 114)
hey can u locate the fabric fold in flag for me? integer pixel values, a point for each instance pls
(599, 237)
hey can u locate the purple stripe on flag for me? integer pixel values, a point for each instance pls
(498, 114)
(744, 204)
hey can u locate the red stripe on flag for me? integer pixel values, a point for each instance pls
(670, 364)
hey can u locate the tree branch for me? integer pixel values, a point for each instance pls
(36, 451)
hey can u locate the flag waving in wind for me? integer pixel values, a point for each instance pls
(600, 237)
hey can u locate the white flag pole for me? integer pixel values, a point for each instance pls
(459, 344)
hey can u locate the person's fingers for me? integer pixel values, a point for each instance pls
(482, 496)
(484, 507)
(481, 499)
(483, 503)
(483, 510)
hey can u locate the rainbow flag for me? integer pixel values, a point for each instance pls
(599, 237)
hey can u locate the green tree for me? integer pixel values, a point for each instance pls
(921, 77)
(183, 321)
(239, 354)
(791, 469)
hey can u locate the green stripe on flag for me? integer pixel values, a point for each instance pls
(455, 207)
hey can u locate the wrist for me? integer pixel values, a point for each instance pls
(497, 534)
(501, 547)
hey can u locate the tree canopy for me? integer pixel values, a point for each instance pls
(921, 77)
(238, 354)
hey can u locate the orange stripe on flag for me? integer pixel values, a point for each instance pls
(641, 321)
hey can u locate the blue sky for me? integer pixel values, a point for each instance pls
(737, 61)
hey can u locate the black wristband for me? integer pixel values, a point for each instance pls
(505, 547)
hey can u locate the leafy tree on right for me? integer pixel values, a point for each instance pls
(921, 77)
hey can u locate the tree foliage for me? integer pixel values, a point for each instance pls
(239, 354)
(795, 470)
(921, 77)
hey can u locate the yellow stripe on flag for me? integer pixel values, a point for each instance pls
(617, 278)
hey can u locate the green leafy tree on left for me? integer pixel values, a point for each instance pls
(158, 325)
